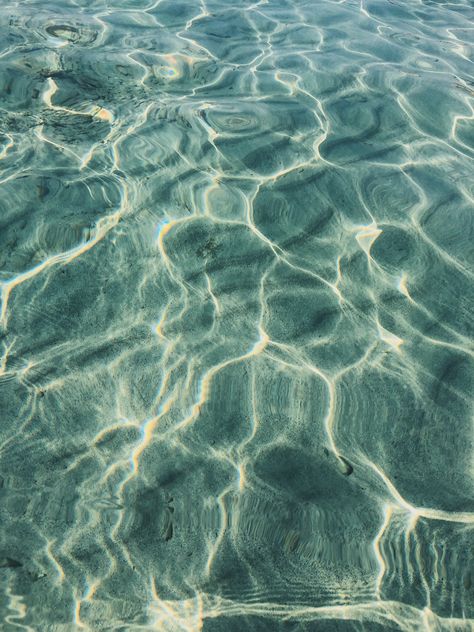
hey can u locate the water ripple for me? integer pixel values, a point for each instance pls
(236, 281)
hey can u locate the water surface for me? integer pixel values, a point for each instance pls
(236, 360)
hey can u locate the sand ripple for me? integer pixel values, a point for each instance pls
(236, 276)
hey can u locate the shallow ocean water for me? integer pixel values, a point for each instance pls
(236, 272)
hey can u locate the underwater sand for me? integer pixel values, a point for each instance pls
(236, 323)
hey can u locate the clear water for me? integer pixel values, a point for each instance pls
(236, 252)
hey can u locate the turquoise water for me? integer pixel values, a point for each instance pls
(236, 359)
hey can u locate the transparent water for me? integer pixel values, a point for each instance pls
(236, 253)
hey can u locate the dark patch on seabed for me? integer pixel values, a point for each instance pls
(236, 331)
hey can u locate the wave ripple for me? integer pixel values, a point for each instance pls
(236, 282)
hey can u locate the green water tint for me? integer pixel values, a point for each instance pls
(236, 326)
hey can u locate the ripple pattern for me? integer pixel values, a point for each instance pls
(236, 333)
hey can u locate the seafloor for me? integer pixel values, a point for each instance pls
(236, 328)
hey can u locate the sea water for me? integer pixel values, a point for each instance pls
(236, 324)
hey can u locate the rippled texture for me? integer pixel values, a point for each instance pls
(236, 252)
